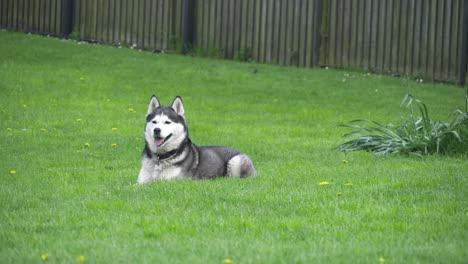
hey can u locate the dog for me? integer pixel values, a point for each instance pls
(170, 154)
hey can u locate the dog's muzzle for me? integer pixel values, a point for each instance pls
(158, 139)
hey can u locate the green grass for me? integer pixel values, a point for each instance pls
(67, 200)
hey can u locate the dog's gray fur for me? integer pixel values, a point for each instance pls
(170, 154)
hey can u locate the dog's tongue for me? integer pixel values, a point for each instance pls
(158, 141)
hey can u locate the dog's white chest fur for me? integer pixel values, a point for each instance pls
(162, 172)
(154, 170)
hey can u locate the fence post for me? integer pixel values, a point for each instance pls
(464, 46)
(187, 26)
(67, 17)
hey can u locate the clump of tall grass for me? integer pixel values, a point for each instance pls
(418, 134)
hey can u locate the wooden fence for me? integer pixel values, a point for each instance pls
(42, 17)
(146, 24)
(418, 37)
(267, 31)
(421, 38)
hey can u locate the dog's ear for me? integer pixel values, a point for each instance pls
(178, 106)
(153, 104)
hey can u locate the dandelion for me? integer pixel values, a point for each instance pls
(87, 145)
(80, 259)
(339, 194)
(228, 261)
(324, 183)
(45, 256)
(381, 260)
(25, 105)
(345, 161)
(348, 184)
(131, 110)
(114, 145)
(8, 129)
(13, 172)
(114, 129)
(78, 120)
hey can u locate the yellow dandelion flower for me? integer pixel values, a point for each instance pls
(345, 161)
(80, 259)
(45, 256)
(8, 129)
(87, 145)
(348, 184)
(114, 129)
(381, 260)
(25, 105)
(12, 172)
(78, 120)
(228, 261)
(324, 183)
(114, 145)
(131, 110)
(339, 194)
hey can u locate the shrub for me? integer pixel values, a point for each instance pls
(75, 34)
(244, 55)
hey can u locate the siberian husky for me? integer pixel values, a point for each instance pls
(169, 153)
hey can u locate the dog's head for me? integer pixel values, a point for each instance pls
(165, 126)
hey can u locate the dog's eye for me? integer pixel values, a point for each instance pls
(167, 122)
(154, 122)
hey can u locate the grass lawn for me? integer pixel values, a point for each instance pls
(71, 129)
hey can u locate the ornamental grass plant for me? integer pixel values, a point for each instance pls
(418, 134)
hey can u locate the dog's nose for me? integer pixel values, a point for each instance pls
(157, 131)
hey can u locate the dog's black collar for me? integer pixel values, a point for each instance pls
(166, 155)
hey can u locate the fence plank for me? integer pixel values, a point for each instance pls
(403, 43)
(19, 14)
(217, 26)
(103, 21)
(243, 32)
(57, 18)
(3, 10)
(455, 47)
(248, 26)
(424, 38)
(129, 22)
(237, 28)
(442, 45)
(317, 25)
(262, 30)
(111, 22)
(46, 16)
